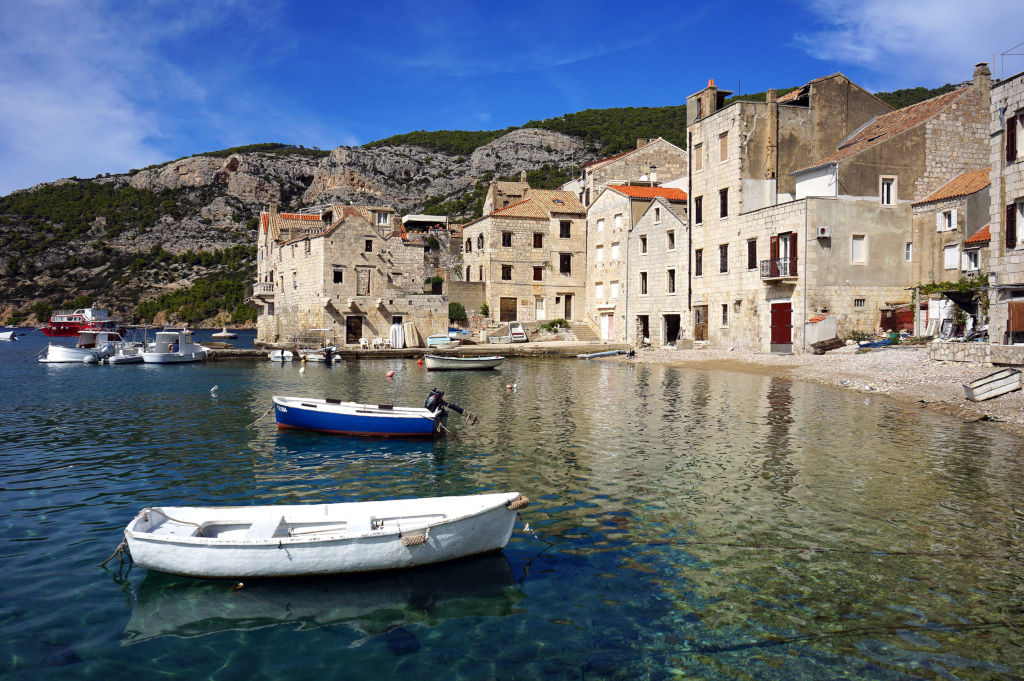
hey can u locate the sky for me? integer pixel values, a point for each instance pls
(94, 86)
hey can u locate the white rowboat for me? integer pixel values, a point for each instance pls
(280, 355)
(320, 539)
(995, 384)
(444, 363)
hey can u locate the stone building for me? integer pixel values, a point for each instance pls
(343, 273)
(530, 255)
(1006, 249)
(613, 282)
(656, 294)
(800, 205)
(654, 161)
(502, 193)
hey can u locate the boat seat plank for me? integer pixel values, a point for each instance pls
(176, 529)
(265, 528)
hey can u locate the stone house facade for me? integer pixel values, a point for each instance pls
(612, 278)
(1006, 249)
(801, 205)
(654, 161)
(531, 257)
(656, 296)
(501, 193)
(343, 273)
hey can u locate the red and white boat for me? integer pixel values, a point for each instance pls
(66, 323)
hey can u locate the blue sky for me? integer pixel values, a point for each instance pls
(92, 86)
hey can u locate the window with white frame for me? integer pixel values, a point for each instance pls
(643, 244)
(670, 284)
(643, 283)
(859, 302)
(945, 221)
(858, 248)
(618, 221)
(600, 225)
(951, 257)
(614, 293)
(657, 214)
(887, 190)
(670, 237)
(598, 290)
(615, 251)
(908, 252)
(382, 219)
(725, 314)
(972, 260)
(599, 251)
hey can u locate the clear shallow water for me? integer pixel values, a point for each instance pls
(702, 525)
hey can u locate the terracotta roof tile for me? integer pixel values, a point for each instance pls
(983, 236)
(817, 318)
(557, 200)
(962, 185)
(527, 208)
(886, 126)
(670, 193)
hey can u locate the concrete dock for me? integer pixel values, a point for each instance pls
(536, 349)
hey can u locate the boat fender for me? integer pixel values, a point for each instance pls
(420, 361)
(390, 374)
(517, 503)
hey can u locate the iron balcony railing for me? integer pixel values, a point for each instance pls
(777, 268)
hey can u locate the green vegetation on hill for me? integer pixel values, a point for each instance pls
(275, 148)
(612, 131)
(204, 299)
(898, 99)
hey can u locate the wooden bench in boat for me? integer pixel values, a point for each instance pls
(266, 527)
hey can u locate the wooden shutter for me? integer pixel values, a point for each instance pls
(1011, 139)
(938, 221)
(773, 247)
(792, 254)
(1011, 227)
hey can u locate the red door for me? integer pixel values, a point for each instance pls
(782, 325)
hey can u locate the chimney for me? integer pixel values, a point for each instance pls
(641, 142)
(982, 76)
(273, 209)
(522, 176)
(771, 96)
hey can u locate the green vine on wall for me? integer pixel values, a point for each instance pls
(978, 285)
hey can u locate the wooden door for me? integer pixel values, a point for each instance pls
(568, 306)
(700, 323)
(353, 330)
(608, 327)
(507, 311)
(782, 327)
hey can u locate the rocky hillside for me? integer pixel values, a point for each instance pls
(147, 235)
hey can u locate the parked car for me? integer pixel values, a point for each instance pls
(516, 331)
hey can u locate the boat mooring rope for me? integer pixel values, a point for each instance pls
(260, 418)
(528, 530)
(119, 553)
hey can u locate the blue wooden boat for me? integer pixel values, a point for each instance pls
(374, 420)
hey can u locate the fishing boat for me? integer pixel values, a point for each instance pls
(92, 346)
(443, 363)
(224, 334)
(172, 347)
(68, 323)
(993, 385)
(281, 355)
(437, 339)
(319, 539)
(376, 420)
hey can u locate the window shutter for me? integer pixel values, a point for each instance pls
(792, 254)
(773, 247)
(965, 263)
(938, 221)
(952, 221)
(1011, 226)
(1011, 139)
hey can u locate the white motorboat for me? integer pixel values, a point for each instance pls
(8, 336)
(445, 363)
(173, 347)
(91, 346)
(224, 334)
(280, 355)
(127, 353)
(315, 539)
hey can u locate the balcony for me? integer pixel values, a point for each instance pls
(263, 289)
(778, 269)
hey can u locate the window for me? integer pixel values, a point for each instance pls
(698, 262)
(506, 239)
(479, 242)
(565, 263)
(670, 237)
(643, 244)
(723, 258)
(565, 229)
(382, 219)
(671, 283)
(538, 240)
(618, 221)
(538, 273)
(657, 214)
(339, 276)
(858, 302)
(723, 146)
(857, 248)
(698, 157)
(600, 225)
(751, 254)
(615, 290)
(480, 272)
(887, 190)
(306, 247)
(467, 272)
(362, 282)
(598, 290)
(615, 251)
(506, 272)
(945, 221)
(1014, 215)
(971, 261)
(723, 203)
(295, 280)
(504, 203)
(698, 210)
(643, 283)
(908, 252)
(469, 245)
(1014, 135)
(725, 314)
(600, 253)
(368, 246)
(951, 257)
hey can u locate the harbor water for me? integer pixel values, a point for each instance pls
(684, 523)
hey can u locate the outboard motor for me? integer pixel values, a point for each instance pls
(435, 400)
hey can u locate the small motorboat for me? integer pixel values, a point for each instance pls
(8, 336)
(319, 539)
(127, 353)
(224, 334)
(92, 347)
(443, 363)
(376, 420)
(171, 347)
(281, 355)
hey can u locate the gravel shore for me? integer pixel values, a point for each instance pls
(902, 372)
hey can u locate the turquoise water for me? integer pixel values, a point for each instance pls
(689, 524)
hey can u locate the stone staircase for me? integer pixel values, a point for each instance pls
(583, 332)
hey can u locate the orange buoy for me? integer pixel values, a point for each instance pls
(420, 361)
(390, 373)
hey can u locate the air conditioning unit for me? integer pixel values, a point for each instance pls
(824, 232)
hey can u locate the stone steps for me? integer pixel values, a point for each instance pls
(583, 332)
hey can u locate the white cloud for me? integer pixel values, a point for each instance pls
(910, 43)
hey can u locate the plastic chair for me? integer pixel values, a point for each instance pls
(364, 343)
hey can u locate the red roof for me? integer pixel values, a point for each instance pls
(984, 235)
(962, 185)
(300, 216)
(670, 193)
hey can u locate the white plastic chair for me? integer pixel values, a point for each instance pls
(364, 343)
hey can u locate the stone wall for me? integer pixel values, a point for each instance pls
(650, 255)
(671, 162)
(1007, 188)
(610, 272)
(472, 294)
(945, 351)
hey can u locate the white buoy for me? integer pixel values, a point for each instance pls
(213, 390)
(302, 369)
